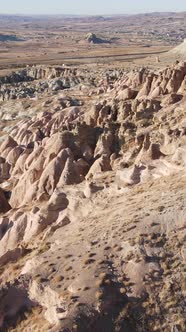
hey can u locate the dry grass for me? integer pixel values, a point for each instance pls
(43, 247)
(58, 278)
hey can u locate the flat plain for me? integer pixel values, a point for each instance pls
(57, 40)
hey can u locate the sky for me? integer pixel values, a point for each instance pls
(90, 7)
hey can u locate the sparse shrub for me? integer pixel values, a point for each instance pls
(58, 278)
(99, 295)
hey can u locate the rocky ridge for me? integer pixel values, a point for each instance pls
(93, 209)
(35, 80)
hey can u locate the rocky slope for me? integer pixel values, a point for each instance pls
(179, 51)
(92, 203)
(34, 80)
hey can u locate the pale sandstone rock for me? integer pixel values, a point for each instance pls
(129, 176)
(146, 88)
(29, 179)
(13, 155)
(50, 300)
(102, 164)
(104, 145)
(21, 162)
(52, 172)
(9, 143)
(32, 156)
(69, 174)
(126, 94)
(22, 226)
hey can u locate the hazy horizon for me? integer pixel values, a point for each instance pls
(83, 7)
(79, 15)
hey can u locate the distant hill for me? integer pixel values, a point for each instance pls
(4, 38)
(93, 39)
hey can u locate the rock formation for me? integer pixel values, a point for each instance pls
(93, 39)
(92, 203)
